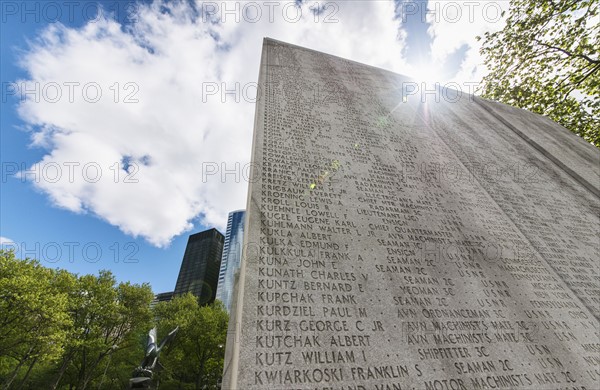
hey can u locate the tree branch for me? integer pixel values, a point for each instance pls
(594, 69)
(570, 54)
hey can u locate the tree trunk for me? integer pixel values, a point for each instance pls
(90, 372)
(61, 372)
(7, 384)
(201, 372)
(105, 370)
(82, 370)
(27, 374)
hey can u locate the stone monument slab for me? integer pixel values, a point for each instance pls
(411, 240)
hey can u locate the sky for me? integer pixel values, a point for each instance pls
(126, 126)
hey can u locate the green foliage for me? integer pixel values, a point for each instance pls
(62, 331)
(33, 308)
(59, 330)
(34, 323)
(546, 60)
(105, 315)
(195, 358)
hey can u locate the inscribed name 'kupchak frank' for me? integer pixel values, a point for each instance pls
(397, 241)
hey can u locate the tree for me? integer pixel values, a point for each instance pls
(62, 331)
(35, 322)
(105, 316)
(546, 60)
(195, 358)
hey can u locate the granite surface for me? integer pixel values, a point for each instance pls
(402, 239)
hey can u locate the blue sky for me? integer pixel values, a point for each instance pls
(165, 149)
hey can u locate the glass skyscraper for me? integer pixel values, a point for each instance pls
(161, 297)
(232, 255)
(199, 270)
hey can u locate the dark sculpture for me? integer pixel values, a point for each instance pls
(142, 375)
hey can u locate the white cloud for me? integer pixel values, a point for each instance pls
(6, 241)
(457, 23)
(169, 133)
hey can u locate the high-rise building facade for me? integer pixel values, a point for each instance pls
(199, 270)
(232, 255)
(161, 297)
